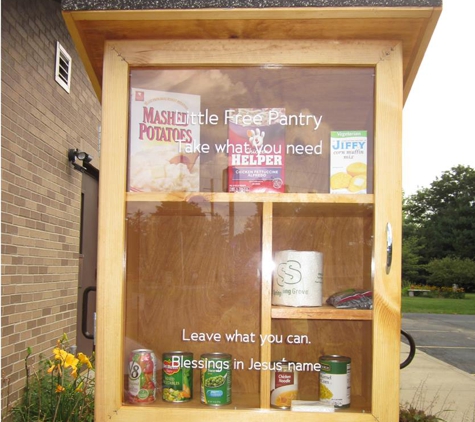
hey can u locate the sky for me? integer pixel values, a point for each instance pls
(440, 109)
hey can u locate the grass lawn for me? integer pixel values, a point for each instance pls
(426, 305)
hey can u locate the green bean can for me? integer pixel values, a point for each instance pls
(216, 374)
(335, 380)
(177, 377)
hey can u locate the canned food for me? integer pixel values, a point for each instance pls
(284, 385)
(335, 380)
(142, 376)
(216, 379)
(177, 377)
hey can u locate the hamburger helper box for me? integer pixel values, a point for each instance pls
(256, 150)
(348, 161)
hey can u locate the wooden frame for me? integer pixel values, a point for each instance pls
(119, 56)
(412, 26)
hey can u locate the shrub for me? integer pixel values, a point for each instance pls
(411, 414)
(453, 292)
(448, 271)
(422, 410)
(61, 390)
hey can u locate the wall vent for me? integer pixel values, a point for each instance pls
(62, 72)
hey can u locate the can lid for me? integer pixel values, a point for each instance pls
(335, 358)
(178, 352)
(216, 355)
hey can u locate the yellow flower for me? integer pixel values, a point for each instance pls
(70, 360)
(67, 359)
(57, 353)
(59, 388)
(84, 360)
(74, 372)
(80, 388)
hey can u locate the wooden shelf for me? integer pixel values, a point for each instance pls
(235, 414)
(312, 198)
(323, 312)
(239, 401)
(283, 205)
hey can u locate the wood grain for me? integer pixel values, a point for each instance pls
(194, 260)
(413, 27)
(111, 238)
(195, 274)
(387, 284)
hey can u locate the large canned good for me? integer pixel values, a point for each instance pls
(216, 379)
(284, 385)
(142, 376)
(177, 377)
(335, 380)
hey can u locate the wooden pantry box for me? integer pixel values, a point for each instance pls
(232, 131)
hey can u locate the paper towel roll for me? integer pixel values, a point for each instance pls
(298, 278)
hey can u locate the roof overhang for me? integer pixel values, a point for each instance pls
(412, 26)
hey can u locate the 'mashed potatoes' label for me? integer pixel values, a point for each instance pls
(162, 129)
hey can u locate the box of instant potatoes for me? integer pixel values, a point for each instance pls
(348, 161)
(163, 128)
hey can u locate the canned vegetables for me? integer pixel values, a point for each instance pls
(177, 377)
(335, 380)
(216, 379)
(142, 376)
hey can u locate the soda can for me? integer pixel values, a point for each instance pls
(284, 385)
(142, 376)
(177, 377)
(335, 380)
(216, 379)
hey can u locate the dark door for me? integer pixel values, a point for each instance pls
(87, 263)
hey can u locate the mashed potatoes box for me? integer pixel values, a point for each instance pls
(161, 128)
(348, 161)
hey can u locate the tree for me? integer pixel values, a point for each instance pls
(448, 271)
(442, 217)
(411, 268)
(412, 244)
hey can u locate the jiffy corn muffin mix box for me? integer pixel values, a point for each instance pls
(348, 161)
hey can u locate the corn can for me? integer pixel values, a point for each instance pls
(216, 379)
(142, 377)
(177, 377)
(284, 385)
(335, 380)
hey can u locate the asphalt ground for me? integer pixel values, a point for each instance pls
(450, 338)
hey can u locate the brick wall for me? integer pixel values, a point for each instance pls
(41, 193)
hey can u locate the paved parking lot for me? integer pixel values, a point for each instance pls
(450, 338)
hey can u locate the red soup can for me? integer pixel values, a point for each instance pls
(142, 376)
